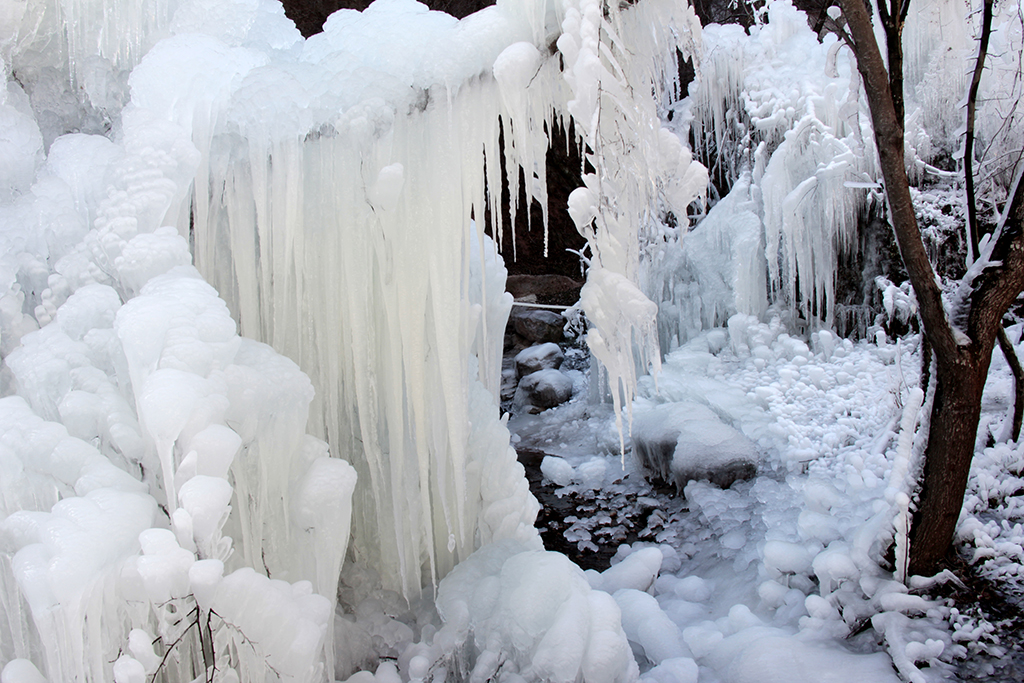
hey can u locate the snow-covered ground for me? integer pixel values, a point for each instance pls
(779, 577)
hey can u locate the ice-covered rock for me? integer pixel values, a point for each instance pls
(543, 389)
(637, 572)
(530, 612)
(541, 357)
(557, 470)
(537, 325)
(674, 670)
(681, 442)
(647, 625)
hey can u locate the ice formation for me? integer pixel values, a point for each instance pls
(176, 498)
(780, 120)
(560, 630)
(370, 285)
(325, 189)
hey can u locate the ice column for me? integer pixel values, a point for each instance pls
(614, 64)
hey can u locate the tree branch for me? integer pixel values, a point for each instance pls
(1018, 382)
(998, 287)
(973, 231)
(889, 137)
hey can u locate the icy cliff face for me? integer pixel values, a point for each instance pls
(368, 282)
(779, 118)
(163, 482)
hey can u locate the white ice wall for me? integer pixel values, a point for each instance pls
(326, 189)
(333, 210)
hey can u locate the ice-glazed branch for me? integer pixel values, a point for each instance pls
(1018, 382)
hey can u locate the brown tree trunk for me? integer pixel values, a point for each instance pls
(961, 364)
(956, 409)
(894, 48)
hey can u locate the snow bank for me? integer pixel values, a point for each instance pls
(791, 561)
(529, 612)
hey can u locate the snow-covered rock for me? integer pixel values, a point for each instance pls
(681, 442)
(530, 612)
(540, 357)
(537, 325)
(543, 389)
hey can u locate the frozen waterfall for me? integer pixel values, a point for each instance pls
(177, 499)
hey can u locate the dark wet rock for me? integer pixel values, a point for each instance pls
(615, 514)
(537, 324)
(544, 289)
(509, 380)
(543, 389)
(541, 357)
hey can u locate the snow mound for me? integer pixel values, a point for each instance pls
(682, 442)
(520, 610)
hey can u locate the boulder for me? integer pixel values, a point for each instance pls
(542, 390)
(541, 357)
(682, 442)
(537, 324)
(545, 289)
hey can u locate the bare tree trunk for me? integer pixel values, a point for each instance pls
(973, 229)
(961, 357)
(947, 462)
(960, 380)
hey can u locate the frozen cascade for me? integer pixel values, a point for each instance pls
(800, 154)
(785, 111)
(335, 275)
(326, 188)
(150, 449)
(715, 271)
(810, 215)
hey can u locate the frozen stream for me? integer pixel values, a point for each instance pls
(776, 578)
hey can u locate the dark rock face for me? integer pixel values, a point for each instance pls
(309, 15)
(722, 475)
(543, 389)
(537, 325)
(544, 289)
(542, 357)
(527, 255)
